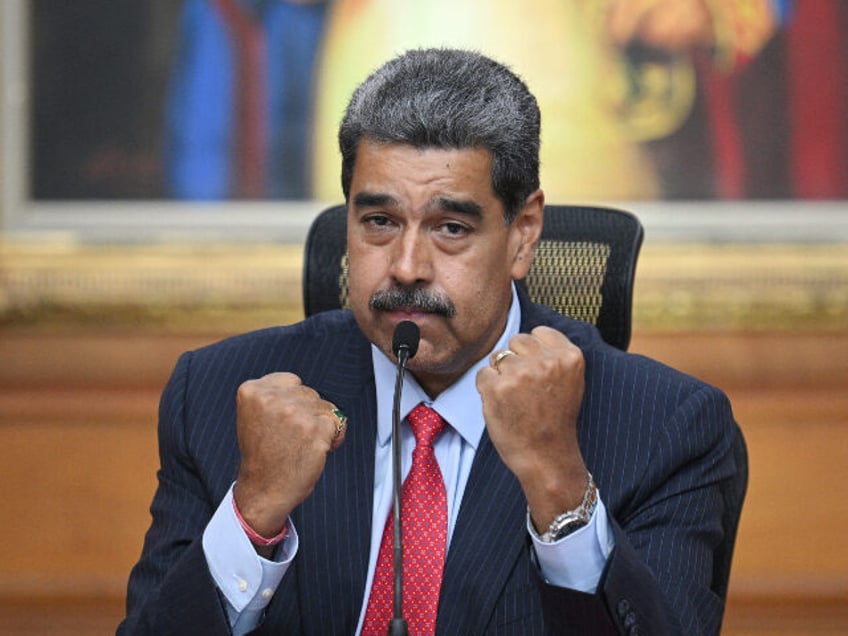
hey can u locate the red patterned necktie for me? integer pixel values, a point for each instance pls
(424, 522)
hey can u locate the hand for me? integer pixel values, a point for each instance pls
(671, 25)
(531, 402)
(285, 431)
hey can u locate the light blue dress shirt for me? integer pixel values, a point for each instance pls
(248, 581)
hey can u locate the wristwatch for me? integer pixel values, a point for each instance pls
(571, 520)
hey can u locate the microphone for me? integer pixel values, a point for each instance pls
(405, 340)
(404, 345)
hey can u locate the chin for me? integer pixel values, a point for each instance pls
(428, 361)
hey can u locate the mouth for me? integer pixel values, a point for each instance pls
(414, 314)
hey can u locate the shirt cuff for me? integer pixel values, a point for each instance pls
(577, 560)
(246, 579)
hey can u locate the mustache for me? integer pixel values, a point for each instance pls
(412, 298)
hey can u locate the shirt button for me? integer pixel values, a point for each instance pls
(267, 593)
(242, 585)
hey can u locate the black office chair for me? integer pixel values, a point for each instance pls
(584, 266)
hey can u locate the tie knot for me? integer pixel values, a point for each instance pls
(426, 424)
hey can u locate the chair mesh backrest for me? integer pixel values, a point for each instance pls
(567, 276)
(584, 266)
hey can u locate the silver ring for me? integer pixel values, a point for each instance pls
(341, 422)
(498, 357)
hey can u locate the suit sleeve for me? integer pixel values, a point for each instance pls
(668, 530)
(171, 590)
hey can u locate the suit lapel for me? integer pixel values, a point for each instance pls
(488, 539)
(336, 519)
(490, 534)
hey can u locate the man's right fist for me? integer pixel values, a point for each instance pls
(285, 430)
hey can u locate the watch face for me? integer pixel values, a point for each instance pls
(568, 528)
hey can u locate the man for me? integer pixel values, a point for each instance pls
(575, 488)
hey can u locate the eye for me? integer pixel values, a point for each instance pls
(377, 221)
(453, 229)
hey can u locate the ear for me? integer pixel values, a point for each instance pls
(525, 231)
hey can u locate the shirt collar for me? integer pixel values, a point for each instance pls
(459, 404)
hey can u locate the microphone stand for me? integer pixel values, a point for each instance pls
(397, 625)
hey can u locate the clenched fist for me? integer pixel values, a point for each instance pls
(285, 430)
(531, 401)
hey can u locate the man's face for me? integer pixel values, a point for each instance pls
(428, 243)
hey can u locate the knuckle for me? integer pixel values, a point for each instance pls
(520, 339)
(283, 378)
(247, 389)
(574, 355)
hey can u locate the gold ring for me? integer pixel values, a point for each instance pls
(498, 357)
(341, 421)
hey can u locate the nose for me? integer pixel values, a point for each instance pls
(412, 258)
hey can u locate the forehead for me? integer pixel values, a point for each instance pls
(406, 172)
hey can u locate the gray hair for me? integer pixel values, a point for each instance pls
(445, 98)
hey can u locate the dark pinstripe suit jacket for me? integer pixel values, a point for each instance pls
(658, 443)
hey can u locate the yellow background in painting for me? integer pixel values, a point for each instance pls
(556, 46)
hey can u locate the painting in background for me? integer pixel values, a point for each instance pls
(240, 99)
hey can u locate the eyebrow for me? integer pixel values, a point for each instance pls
(465, 207)
(373, 200)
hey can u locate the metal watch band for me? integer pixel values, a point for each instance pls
(571, 520)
